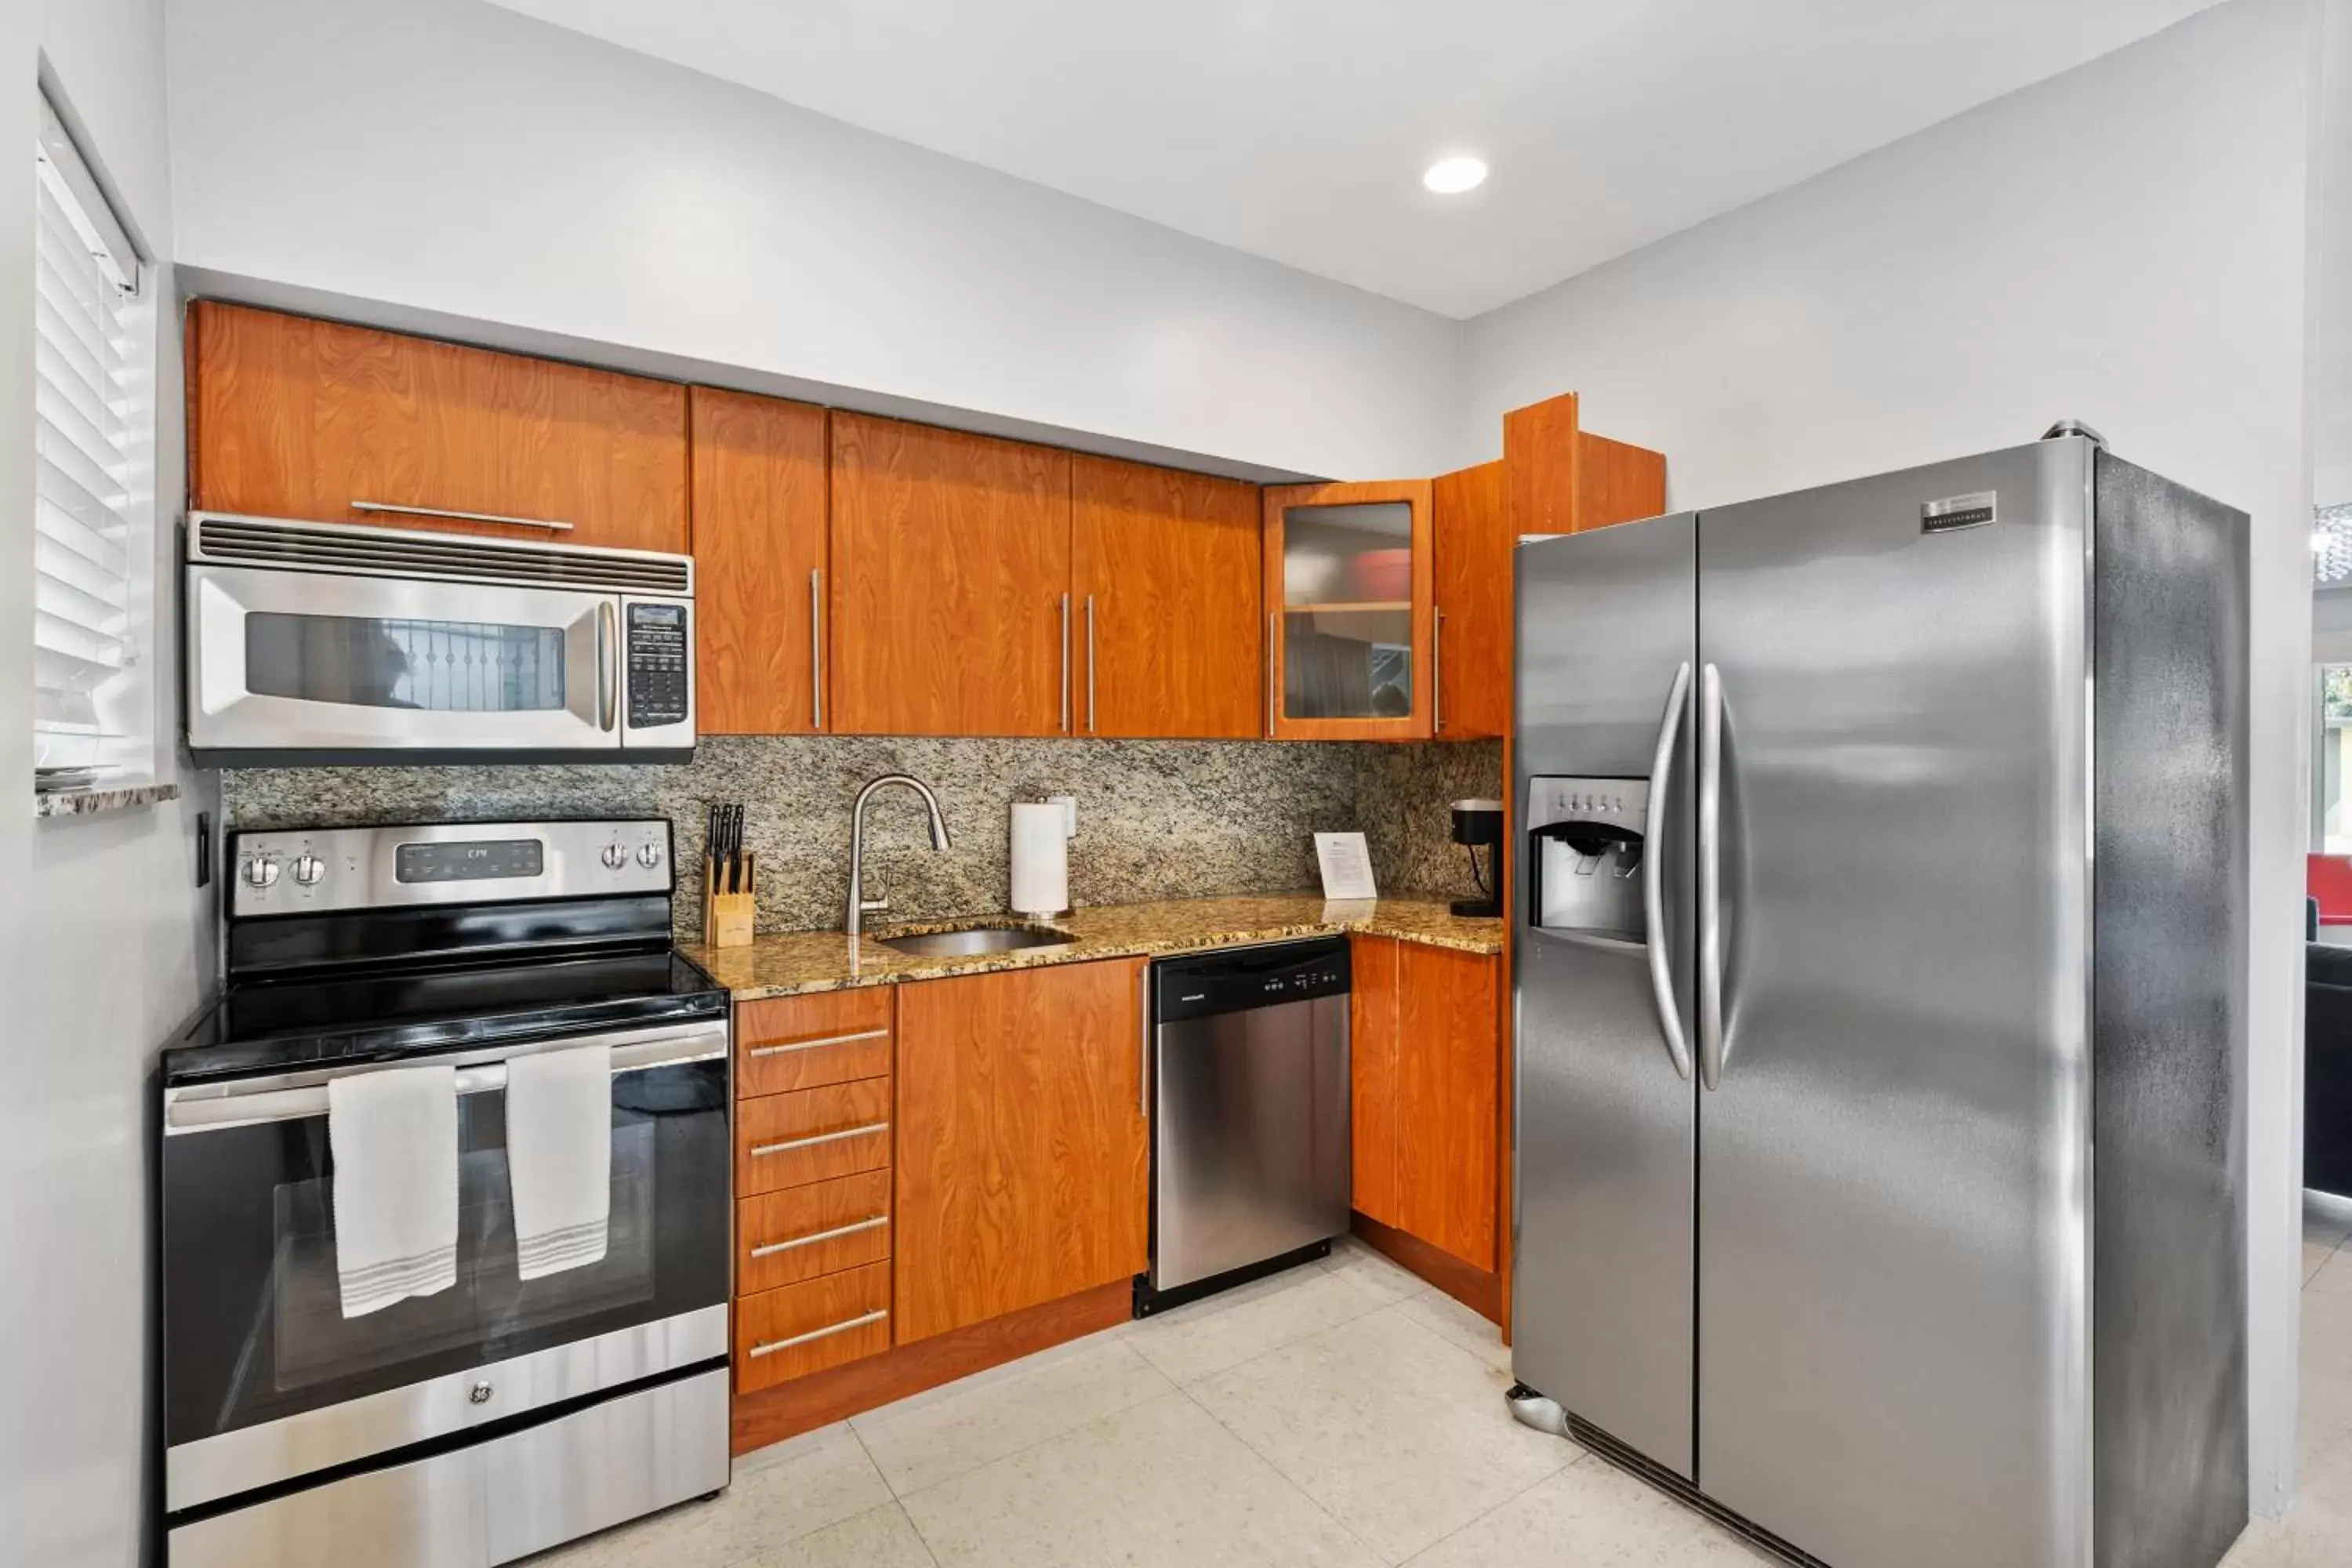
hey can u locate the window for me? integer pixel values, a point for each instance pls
(94, 437)
(2330, 754)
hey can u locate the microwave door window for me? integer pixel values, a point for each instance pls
(434, 666)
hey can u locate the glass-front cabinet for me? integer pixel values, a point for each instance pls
(1350, 650)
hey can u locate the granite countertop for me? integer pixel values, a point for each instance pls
(788, 963)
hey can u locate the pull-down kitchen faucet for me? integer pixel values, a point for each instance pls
(860, 905)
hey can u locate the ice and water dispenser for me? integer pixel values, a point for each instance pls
(1585, 842)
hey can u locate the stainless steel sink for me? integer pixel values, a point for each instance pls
(969, 942)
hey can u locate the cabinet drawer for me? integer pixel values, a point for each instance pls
(812, 1135)
(801, 1329)
(804, 1042)
(803, 1231)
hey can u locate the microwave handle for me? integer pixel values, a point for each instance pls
(605, 660)
(206, 1108)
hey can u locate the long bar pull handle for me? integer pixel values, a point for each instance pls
(760, 1151)
(1273, 698)
(816, 1045)
(773, 1247)
(1710, 878)
(1653, 872)
(1437, 674)
(1090, 664)
(605, 681)
(770, 1347)
(1065, 664)
(816, 651)
(395, 508)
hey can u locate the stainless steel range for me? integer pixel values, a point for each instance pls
(500, 1415)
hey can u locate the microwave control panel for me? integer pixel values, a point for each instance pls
(657, 661)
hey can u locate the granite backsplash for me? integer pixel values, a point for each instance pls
(1157, 820)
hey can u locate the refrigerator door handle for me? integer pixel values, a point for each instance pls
(1654, 875)
(1710, 878)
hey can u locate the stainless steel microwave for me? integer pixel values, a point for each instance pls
(313, 642)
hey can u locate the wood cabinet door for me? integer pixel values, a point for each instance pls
(1023, 1163)
(759, 564)
(292, 417)
(950, 583)
(1447, 1075)
(1164, 570)
(1350, 588)
(1471, 635)
(1372, 1080)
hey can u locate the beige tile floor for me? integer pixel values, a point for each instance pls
(1341, 1413)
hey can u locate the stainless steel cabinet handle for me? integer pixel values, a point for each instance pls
(1090, 664)
(385, 506)
(1710, 878)
(1437, 672)
(771, 1346)
(1272, 698)
(1143, 1045)
(1065, 664)
(816, 651)
(760, 1151)
(604, 655)
(771, 1248)
(814, 1045)
(1653, 872)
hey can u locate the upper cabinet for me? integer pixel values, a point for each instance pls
(951, 610)
(293, 417)
(1565, 479)
(1350, 574)
(1164, 578)
(1471, 637)
(760, 563)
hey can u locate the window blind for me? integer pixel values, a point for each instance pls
(86, 527)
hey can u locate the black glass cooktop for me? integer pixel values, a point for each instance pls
(388, 1014)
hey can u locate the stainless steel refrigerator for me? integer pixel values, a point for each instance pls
(1879, 973)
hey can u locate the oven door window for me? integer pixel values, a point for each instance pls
(439, 667)
(253, 1314)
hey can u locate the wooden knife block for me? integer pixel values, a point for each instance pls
(727, 917)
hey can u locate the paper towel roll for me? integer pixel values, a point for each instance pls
(1041, 860)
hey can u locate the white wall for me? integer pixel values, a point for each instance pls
(2125, 245)
(456, 157)
(101, 942)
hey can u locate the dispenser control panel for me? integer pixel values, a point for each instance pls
(1624, 802)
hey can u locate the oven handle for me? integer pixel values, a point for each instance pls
(291, 1097)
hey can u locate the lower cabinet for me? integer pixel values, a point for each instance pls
(1425, 1080)
(1023, 1163)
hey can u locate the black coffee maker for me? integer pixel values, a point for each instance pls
(1478, 824)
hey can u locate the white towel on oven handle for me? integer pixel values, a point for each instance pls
(560, 1157)
(392, 1135)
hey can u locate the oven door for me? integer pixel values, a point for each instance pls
(311, 661)
(265, 1380)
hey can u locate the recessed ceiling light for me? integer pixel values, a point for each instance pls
(1452, 176)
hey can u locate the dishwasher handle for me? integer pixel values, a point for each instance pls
(1236, 980)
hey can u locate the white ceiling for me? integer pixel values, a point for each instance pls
(1297, 130)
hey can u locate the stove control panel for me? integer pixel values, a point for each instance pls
(320, 871)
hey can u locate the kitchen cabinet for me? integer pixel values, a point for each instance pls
(951, 594)
(1471, 633)
(1024, 1159)
(1426, 1049)
(1349, 576)
(1565, 479)
(759, 546)
(1164, 574)
(323, 422)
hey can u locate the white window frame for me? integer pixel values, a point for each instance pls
(118, 742)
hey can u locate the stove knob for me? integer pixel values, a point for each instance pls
(261, 871)
(615, 857)
(649, 856)
(309, 869)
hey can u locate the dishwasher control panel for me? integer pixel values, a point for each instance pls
(1239, 979)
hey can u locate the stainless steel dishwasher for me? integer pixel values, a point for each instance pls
(1249, 1156)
